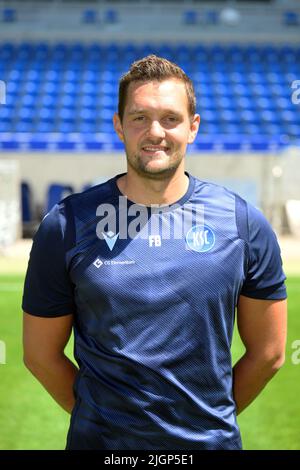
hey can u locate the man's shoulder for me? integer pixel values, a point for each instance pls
(93, 196)
(215, 191)
(226, 198)
(82, 206)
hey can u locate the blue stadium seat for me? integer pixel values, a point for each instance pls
(9, 15)
(88, 114)
(6, 125)
(25, 125)
(242, 90)
(106, 101)
(67, 101)
(46, 113)
(6, 112)
(291, 18)
(55, 193)
(211, 17)
(89, 16)
(27, 114)
(73, 87)
(262, 102)
(48, 100)
(225, 102)
(268, 116)
(45, 125)
(66, 127)
(88, 127)
(69, 88)
(190, 17)
(229, 117)
(111, 16)
(26, 202)
(290, 116)
(106, 128)
(292, 130)
(7, 51)
(51, 88)
(147, 49)
(244, 102)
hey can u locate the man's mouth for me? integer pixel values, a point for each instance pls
(154, 148)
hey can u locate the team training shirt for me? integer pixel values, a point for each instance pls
(153, 313)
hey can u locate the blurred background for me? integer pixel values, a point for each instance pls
(60, 62)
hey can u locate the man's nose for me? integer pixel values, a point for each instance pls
(156, 130)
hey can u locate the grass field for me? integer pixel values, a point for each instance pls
(30, 419)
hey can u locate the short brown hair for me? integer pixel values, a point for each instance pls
(153, 68)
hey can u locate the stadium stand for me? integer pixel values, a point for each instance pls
(30, 218)
(111, 16)
(211, 17)
(190, 17)
(26, 202)
(9, 15)
(60, 63)
(55, 193)
(291, 18)
(64, 95)
(89, 16)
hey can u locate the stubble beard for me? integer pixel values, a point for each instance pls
(137, 164)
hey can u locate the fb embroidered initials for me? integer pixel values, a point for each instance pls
(155, 240)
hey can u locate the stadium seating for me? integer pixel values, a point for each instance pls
(55, 193)
(211, 17)
(190, 17)
(9, 15)
(26, 202)
(63, 96)
(30, 218)
(89, 16)
(291, 18)
(111, 16)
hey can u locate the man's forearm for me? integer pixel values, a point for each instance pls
(57, 376)
(250, 376)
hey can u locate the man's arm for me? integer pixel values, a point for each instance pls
(44, 341)
(262, 326)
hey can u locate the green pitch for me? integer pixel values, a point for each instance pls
(30, 419)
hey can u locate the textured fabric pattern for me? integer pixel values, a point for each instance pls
(153, 323)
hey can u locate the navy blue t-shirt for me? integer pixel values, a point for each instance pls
(153, 298)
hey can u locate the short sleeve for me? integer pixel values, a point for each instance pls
(48, 290)
(265, 277)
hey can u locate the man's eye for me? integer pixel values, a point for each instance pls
(139, 118)
(172, 118)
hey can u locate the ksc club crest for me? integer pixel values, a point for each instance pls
(200, 238)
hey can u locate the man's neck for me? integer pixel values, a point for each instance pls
(147, 191)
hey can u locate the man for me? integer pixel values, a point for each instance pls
(152, 301)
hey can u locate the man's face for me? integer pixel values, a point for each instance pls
(156, 127)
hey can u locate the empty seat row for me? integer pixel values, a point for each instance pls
(240, 90)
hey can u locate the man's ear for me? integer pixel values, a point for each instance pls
(194, 128)
(118, 126)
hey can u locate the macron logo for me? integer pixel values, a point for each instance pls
(98, 263)
(110, 239)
